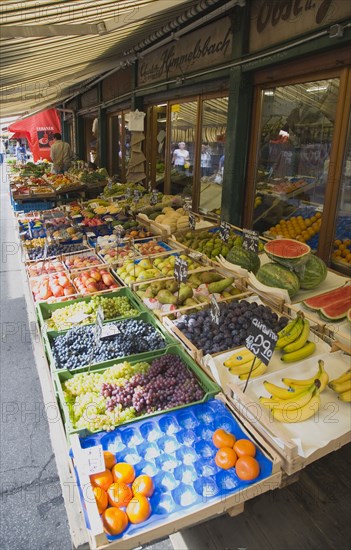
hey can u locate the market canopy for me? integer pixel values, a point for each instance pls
(49, 49)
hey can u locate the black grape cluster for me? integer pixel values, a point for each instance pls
(168, 383)
(54, 250)
(77, 347)
(233, 328)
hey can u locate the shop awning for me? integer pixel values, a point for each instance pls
(49, 49)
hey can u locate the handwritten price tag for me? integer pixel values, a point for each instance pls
(180, 270)
(94, 460)
(153, 198)
(224, 231)
(187, 204)
(261, 340)
(215, 312)
(98, 324)
(250, 241)
(192, 220)
(109, 330)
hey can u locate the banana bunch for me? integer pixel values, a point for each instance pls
(299, 400)
(240, 363)
(342, 386)
(293, 340)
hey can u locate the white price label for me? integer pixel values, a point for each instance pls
(78, 317)
(94, 460)
(109, 330)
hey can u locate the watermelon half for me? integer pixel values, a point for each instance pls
(349, 315)
(287, 252)
(333, 305)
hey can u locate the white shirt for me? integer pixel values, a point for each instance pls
(180, 156)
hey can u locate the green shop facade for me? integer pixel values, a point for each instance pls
(260, 100)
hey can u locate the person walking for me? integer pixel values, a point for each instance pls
(180, 159)
(61, 155)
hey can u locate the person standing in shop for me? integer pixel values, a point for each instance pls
(61, 155)
(180, 159)
(205, 161)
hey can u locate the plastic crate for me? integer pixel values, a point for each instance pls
(30, 206)
(145, 316)
(209, 387)
(44, 310)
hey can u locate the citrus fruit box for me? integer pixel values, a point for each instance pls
(207, 385)
(175, 449)
(44, 310)
(90, 360)
(299, 443)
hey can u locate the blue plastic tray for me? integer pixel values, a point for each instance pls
(176, 450)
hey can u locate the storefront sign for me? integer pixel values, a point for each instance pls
(204, 48)
(274, 21)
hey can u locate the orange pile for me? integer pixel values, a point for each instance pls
(342, 251)
(236, 453)
(299, 228)
(126, 494)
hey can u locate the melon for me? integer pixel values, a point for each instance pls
(332, 296)
(278, 276)
(245, 258)
(349, 315)
(313, 273)
(288, 252)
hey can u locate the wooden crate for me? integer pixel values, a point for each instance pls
(232, 504)
(273, 432)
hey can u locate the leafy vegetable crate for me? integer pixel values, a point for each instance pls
(44, 310)
(143, 316)
(301, 443)
(210, 496)
(60, 377)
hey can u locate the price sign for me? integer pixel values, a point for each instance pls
(94, 461)
(109, 183)
(224, 231)
(30, 230)
(261, 340)
(250, 241)
(187, 203)
(153, 198)
(78, 317)
(98, 324)
(109, 330)
(149, 187)
(136, 196)
(215, 312)
(180, 270)
(192, 220)
(128, 192)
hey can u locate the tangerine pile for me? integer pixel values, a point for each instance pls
(236, 453)
(297, 227)
(342, 251)
(121, 497)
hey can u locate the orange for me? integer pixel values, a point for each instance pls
(221, 438)
(110, 460)
(244, 447)
(103, 479)
(101, 498)
(225, 458)
(143, 485)
(115, 521)
(122, 471)
(138, 509)
(119, 494)
(247, 468)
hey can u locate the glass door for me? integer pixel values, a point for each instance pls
(295, 137)
(119, 145)
(212, 153)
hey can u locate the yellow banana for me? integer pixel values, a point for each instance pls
(291, 336)
(244, 369)
(301, 340)
(299, 354)
(300, 414)
(239, 358)
(295, 402)
(342, 387)
(305, 382)
(283, 393)
(323, 376)
(345, 376)
(261, 369)
(287, 328)
(345, 396)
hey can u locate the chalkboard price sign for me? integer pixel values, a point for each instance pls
(261, 340)
(224, 231)
(153, 198)
(136, 196)
(180, 270)
(215, 312)
(128, 192)
(192, 220)
(187, 204)
(250, 241)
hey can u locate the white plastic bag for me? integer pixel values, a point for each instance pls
(219, 179)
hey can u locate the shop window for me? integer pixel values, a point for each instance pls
(212, 154)
(341, 249)
(296, 132)
(183, 147)
(119, 146)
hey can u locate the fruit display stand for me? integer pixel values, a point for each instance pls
(189, 487)
(299, 443)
